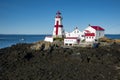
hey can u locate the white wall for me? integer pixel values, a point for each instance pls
(89, 28)
(75, 33)
(90, 38)
(99, 34)
(59, 20)
(70, 41)
(60, 31)
(48, 39)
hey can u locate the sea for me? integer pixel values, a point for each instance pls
(7, 40)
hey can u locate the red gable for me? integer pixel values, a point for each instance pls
(89, 34)
(87, 31)
(98, 28)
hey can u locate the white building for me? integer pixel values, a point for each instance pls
(48, 39)
(90, 34)
(93, 33)
(58, 31)
(73, 37)
(75, 33)
(70, 41)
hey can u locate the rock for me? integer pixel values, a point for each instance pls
(41, 45)
(108, 42)
(105, 39)
(47, 46)
(117, 41)
(27, 62)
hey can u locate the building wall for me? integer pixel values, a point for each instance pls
(90, 29)
(72, 35)
(75, 33)
(60, 32)
(90, 38)
(59, 20)
(99, 34)
(70, 42)
(48, 39)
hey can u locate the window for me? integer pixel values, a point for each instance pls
(82, 35)
(69, 34)
(99, 34)
(66, 44)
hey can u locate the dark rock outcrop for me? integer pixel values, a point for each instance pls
(23, 62)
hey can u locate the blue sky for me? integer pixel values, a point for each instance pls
(37, 16)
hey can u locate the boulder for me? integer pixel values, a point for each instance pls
(41, 45)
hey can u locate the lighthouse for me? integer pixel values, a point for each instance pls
(58, 31)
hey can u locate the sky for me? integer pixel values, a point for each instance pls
(37, 16)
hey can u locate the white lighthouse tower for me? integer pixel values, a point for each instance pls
(58, 31)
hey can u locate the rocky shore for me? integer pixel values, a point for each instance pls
(46, 61)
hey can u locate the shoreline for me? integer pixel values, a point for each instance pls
(104, 40)
(47, 61)
(8, 44)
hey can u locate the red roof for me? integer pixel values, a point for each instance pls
(89, 34)
(71, 37)
(87, 31)
(98, 28)
(58, 14)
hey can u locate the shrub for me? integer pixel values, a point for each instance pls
(58, 39)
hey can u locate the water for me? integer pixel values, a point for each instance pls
(113, 36)
(8, 40)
